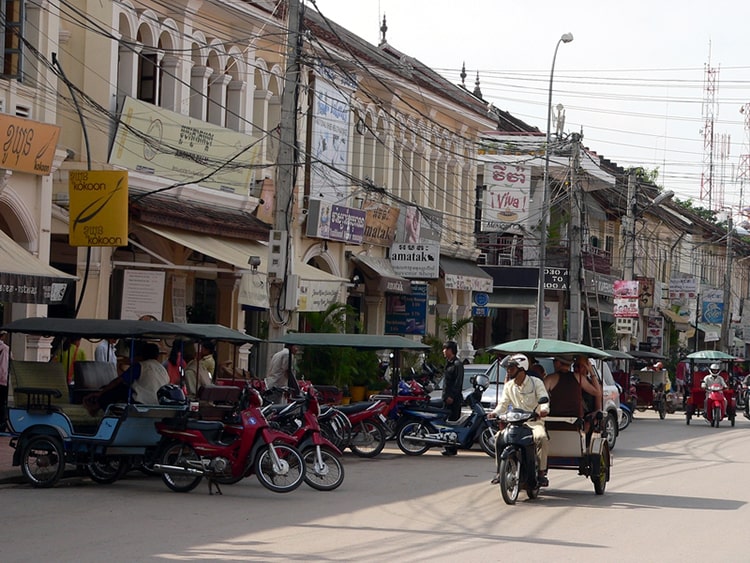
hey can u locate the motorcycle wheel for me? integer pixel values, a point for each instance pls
(368, 438)
(280, 479)
(510, 478)
(662, 409)
(625, 419)
(181, 455)
(408, 437)
(326, 477)
(107, 470)
(716, 418)
(487, 441)
(610, 426)
(337, 429)
(43, 461)
(600, 470)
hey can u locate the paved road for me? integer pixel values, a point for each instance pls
(671, 484)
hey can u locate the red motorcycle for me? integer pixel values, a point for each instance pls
(716, 404)
(368, 426)
(299, 419)
(225, 453)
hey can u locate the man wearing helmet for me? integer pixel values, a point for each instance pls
(522, 392)
(714, 377)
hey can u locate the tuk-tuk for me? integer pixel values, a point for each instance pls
(49, 427)
(574, 443)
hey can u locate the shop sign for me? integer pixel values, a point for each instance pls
(416, 261)
(26, 145)
(335, 222)
(98, 207)
(407, 314)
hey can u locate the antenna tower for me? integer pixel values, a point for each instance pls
(710, 113)
(743, 168)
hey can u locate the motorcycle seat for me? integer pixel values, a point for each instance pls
(205, 425)
(430, 409)
(355, 408)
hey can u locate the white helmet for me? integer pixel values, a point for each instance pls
(520, 360)
(714, 369)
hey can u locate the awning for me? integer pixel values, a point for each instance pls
(681, 323)
(235, 252)
(462, 274)
(380, 277)
(512, 299)
(26, 279)
(605, 309)
(316, 289)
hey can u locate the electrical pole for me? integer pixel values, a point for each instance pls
(576, 209)
(629, 247)
(280, 245)
(726, 318)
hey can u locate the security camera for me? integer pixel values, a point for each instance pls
(254, 261)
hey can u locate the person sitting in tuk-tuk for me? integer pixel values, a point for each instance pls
(577, 393)
(145, 377)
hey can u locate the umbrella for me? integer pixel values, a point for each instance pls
(709, 355)
(547, 347)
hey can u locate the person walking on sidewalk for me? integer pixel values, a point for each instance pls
(4, 367)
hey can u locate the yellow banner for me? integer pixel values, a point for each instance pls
(98, 208)
(27, 146)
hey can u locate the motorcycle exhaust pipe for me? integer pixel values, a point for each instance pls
(431, 441)
(161, 468)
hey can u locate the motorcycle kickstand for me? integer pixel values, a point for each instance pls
(211, 484)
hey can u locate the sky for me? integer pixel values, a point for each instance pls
(633, 81)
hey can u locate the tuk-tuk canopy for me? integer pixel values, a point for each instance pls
(368, 341)
(547, 347)
(710, 355)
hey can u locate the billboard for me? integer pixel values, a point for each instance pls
(507, 196)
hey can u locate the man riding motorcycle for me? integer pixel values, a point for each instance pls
(522, 392)
(714, 377)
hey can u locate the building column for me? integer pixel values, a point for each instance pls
(217, 100)
(237, 115)
(199, 90)
(375, 313)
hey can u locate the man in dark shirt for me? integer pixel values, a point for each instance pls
(453, 380)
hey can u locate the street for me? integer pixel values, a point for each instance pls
(675, 489)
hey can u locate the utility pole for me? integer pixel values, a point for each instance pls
(726, 318)
(280, 245)
(629, 247)
(575, 270)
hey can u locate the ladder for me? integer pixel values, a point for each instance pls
(593, 320)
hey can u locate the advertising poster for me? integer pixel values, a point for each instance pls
(98, 207)
(142, 294)
(407, 314)
(330, 144)
(507, 197)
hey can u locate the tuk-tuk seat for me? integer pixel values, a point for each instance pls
(32, 381)
(565, 436)
(89, 377)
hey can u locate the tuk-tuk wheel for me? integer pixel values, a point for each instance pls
(600, 470)
(43, 461)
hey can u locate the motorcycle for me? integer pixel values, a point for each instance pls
(716, 405)
(368, 430)
(225, 453)
(425, 427)
(517, 470)
(626, 416)
(299, 419)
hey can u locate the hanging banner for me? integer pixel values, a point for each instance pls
(98, 207)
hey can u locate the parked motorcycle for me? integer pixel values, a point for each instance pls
(368, 431)
(425, 427)
(299, 419)
(225, 453)
(517, 469)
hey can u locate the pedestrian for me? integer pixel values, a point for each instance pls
(453, 379)
(5, 358)
(105, 351)
(279, 373)
(70, 352)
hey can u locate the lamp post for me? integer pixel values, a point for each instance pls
(565, 38)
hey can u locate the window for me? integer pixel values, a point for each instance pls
(147, 74)
(12, 32)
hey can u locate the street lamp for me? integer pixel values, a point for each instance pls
(565, 38)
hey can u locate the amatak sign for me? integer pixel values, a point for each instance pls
(416, 261)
